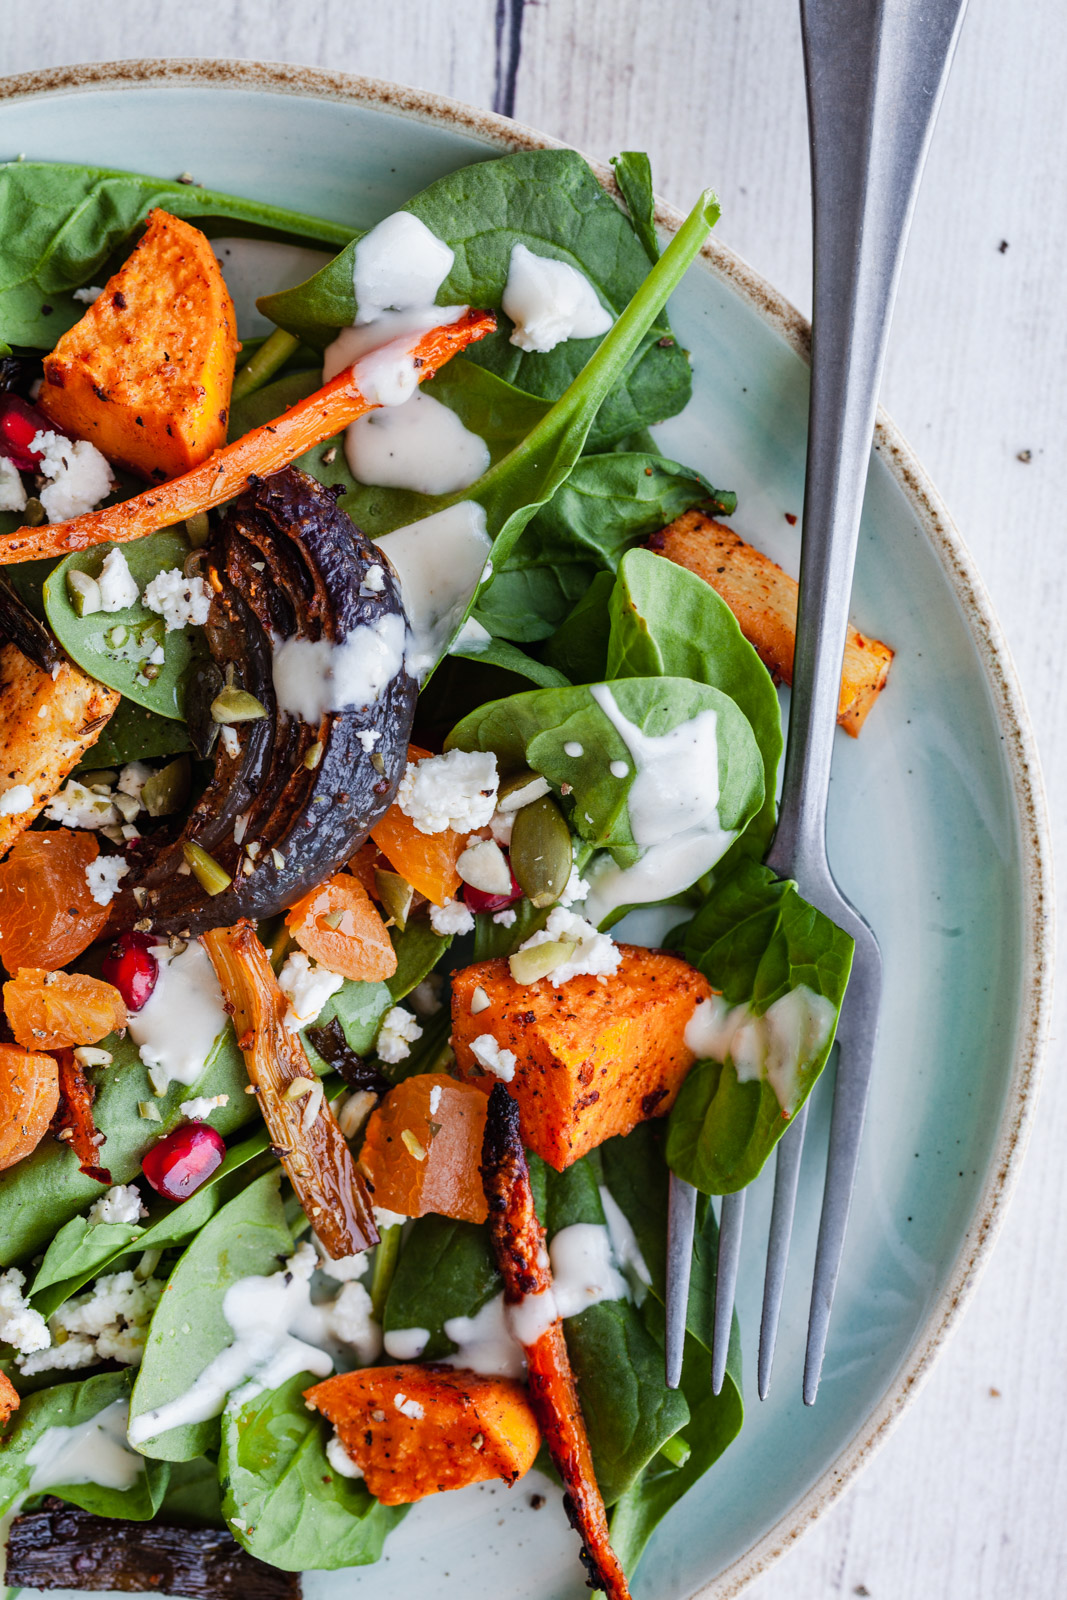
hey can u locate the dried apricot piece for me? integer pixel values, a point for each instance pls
(426, 860)
(52, 1010)
(338, 925)
(423, 1148)
(29, 1095)
(47, 914)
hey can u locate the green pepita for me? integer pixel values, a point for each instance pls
(198, 530)
(167, 790)
(541, 851)
(529, 966)
(206, 870)
(116, 636)
(396, 895)
(237, 705)
(84, 593)
(34, 513)
(521, 789)
(314, 755)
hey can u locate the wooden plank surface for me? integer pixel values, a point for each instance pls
(967, 1499)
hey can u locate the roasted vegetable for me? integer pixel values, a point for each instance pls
(416, 1430)
(47, 911)
(592, 1058)
(19, 625)
(330, 1043)
(298, 798)
(47, 723)
(75, 1119)
(338, 925)
(29, 1095)
(519, 1247)
(422, 1149)
(311, 1146)
(425, 860)
(61, 1547)
(9, 1398)
(763, 598)
(146, 374)
(51, 1010)
(227, 472)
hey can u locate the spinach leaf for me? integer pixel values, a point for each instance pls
(81, 1246)
(115, 646)
(550, 201)
(633, 174)
(193, 1498)
(533, 729)
(755, 939)
(281, 1497)
(45, 1190)
(135, 734)
(359, 1007)
(665, 619)
(446, 1269)
(67, 1405)
(245, 1238)
(418, 950)
(498, 653)
(579, 646)
(61, 222)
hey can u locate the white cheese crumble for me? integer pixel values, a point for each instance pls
(20, 1325)
(12, 488)
(78, 807)
(110, 1323)
(435, 1099)
(177, 599)
(78, 475)
(398, 1033)
(132, 779)
(484, 866)
(307, 987)
(488, 1054)
(456, 790)
(121, 1204)
(575, 890)
(549, 301)
(200, 1107)
(596, 954)
(373, 580)
(117, 584)
(103, 876)
(368, 738)
(87, 295)
(18, 798)
(451, 918)
(409, 1408)
(384, 1218)
(339, 1460)
(231, 742)
(426, 996)
(506, 918)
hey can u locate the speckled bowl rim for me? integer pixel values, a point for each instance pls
(1010, 710)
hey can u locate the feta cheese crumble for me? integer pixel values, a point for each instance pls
(368, 738)
(408, 1408)
(451, 918)
(110, 1323)
(87, 295)
(177, 599)
(121, 1204)
(78, 807)
(231, 742)
(575, 890)
(456, 790)
(373, 580)
(384, 1218)
(103, 876)
(12, 488)
(506, 918)
(200, 1107)
(117, 584)
(426, 996)
(132, 779)
(18, 798)
(596, 954)
(307, 987)
(549, 301)
(20, 1325)
(488, 1054)
(339, 1460)
(78, 475)
(398, 1033)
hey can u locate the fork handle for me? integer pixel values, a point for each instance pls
(875, 73)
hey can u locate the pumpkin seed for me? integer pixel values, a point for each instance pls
(167, 790)
(541, 851)
(116, 636)
(314, 755)
(237, 705)
(396, 895)
(521, 789)
(84, 593)
(149, 1111)
(528, 966)
(206, 870)
(198, 530)
(34, 513)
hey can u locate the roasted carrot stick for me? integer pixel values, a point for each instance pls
(256, 454)
(763, 598)
(519, 1246)
(75, 1118)
(306, 1137)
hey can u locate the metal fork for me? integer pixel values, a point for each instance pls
(875, 71)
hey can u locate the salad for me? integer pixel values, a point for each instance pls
(391, 738)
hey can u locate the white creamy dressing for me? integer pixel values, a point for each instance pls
(583, 1268)
(773, 1047)
(176, 1029)
(252, 267)
(439, 562)
(550, 301)
(486, 1342)
(315, 677)
(420, 445)
(673, 806)
(406, 1344)
(624, 1245)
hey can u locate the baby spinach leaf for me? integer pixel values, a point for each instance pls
(61, 222)
(633, 174)
(45, 1190)
(418, 950)
(193, 1497)
(281, 1497)
(498, 653)
(533, 729)
(115, 646)
(579, 646)
(549, 201)
(755, 939)
(246, 1237)
(81, 1246)
(135, 734)
(446, 1269)
(359, 1007)
(665, 619)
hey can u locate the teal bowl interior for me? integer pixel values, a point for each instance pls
(935, 831)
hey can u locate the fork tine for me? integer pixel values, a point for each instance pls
(786, 1176)
(731, 1222)
(681, 1223)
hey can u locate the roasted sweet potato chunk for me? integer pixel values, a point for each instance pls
(146, 374)
(592, 1059)
(9, 1398)
(763, 598)
(51, 1010)
(423, 1146)
(425, 860)
(29, 1095)
(417, 1430)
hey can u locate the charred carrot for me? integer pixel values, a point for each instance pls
(519, 1246)
(75, 1118)
(306, 1137)
(256, 454)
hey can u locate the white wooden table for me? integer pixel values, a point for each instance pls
(968, 1500)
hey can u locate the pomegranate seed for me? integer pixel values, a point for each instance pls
(478, 900)
(19, 425)
(180, 1163)
(132, 968)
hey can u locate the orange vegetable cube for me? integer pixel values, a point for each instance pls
(338, 925)
(47, 914)
(29, 1097)
(592, 1058)
(426, 860)
(422, 1150)
(9, 1398)
(417, 1430)
(53, 1010)
(146, 374)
